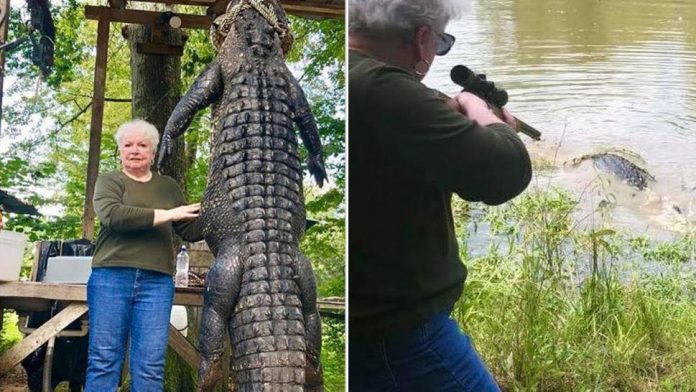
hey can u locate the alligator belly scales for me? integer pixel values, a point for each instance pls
(260, 289)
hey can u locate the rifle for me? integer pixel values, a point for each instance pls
(495, 98)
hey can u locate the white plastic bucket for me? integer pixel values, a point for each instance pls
(179, 319)
(11, 254)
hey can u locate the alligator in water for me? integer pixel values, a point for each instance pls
(261, 288)
(623, 168)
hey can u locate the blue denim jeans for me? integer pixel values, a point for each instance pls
(123, 303)
(435, 356)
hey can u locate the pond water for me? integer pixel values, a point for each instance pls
(593, 75)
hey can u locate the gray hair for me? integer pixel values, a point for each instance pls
(146, 129)
(400, 18)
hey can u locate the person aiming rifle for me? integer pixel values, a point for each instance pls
(410, 149)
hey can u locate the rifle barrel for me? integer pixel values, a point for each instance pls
(521, 125)
(528, 129)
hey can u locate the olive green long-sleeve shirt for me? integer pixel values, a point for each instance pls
(126, 209)
(408, 152)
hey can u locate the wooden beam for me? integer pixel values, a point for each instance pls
(331, 305)
(331, 9)
(294, 7)
(95, 128)
(189, 296)
(18, 352)
(201, 3)
(36, 290)
(144, 17)
(306, 8)
(65, 292)
(183, 347)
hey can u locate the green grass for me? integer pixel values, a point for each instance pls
(10, 333)
(333, 354)
(552, 306)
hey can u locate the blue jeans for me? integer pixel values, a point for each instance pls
(123, 303)
(435, 356)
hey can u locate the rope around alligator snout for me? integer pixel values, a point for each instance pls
(225, 23)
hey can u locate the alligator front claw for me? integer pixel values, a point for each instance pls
(165, 149)
(316, 168)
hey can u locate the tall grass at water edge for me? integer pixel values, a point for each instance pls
(554, 306)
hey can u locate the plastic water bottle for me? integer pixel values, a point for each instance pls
(182, 267)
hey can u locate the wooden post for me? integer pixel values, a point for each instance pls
(4, 23)
(95, 129)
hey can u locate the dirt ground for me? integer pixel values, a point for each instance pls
(14, 381)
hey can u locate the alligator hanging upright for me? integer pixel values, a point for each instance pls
(260, 287)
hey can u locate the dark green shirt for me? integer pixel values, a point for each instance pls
(126, 209)
(408, 152)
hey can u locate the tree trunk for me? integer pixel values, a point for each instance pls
(156, 86)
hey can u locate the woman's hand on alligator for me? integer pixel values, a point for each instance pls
(186, 212)
(181, 213)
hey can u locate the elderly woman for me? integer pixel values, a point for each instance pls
(410, 148)
(130, 290)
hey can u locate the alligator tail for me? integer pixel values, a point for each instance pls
(267, 329)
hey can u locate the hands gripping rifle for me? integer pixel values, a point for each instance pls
(494, 97)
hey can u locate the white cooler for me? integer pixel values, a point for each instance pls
(11, 254)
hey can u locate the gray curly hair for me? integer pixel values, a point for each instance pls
(400, 18)
(145, 129)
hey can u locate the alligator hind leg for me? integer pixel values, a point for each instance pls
(314, 377)
(221, 291)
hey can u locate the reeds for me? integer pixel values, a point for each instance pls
(554, 306)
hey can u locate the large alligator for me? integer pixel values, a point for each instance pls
(616, 163)
(261, 288)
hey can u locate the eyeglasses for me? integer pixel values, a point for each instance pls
(444, 44)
